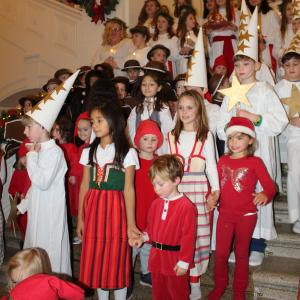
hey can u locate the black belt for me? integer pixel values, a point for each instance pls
(165, 247)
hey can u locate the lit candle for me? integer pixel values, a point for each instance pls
(134, 54)
(113, 52)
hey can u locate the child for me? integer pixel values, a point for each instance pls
(62, 74)
(192, 142)
(29, 278)
(239, 172)
(45, 201)
(220, 66)
(171, 229)
(269, 118)
(133, 69)
(148, 139)
(62, 132)
(147, 14)
(288, 91)
(151, 108)
(106, 216)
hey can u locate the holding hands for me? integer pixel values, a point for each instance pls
(212, 200)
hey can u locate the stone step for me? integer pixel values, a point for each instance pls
(286, 245)
(277, 278)
(281, 209)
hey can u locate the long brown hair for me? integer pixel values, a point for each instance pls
(229, 11)
(181, 31)
(170, 25)
(201, 121)
(284, 20)
(143, 15)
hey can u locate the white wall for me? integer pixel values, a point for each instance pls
(39, 36)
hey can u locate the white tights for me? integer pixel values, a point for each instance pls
(119, 294)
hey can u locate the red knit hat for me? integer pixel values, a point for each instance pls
(239, 124)
(82, 116)
(220, 61)
(148, 127)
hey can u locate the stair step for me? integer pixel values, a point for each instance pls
(286, 245)
(281, 209)
(277, 278)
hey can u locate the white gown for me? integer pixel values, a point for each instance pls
(266, 103)
(45, 204)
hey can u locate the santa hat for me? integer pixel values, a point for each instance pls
(239, 124)
(46, 111)
(220, 61)
(148, 127)
(294, 46)
(296, 9)
(248, 37)
(82, 116)
(197, 74)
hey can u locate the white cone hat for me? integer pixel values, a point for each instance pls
(294, 46)
(196, 74)
(296, 9)
(248, 39)
(46, 111)
(244, 16)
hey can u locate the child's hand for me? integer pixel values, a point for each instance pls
(246, 114)
(212, 200)
(136, 242)
(72, 179)
(179, 271)
(133, 232)
(79, 228)
(295, 122)
(260, 198)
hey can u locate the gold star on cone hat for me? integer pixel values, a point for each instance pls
(294, 46)
(296, 9)
(244, 16)
(46, 111)
(237, 93)
(196, 74)
(248, 38)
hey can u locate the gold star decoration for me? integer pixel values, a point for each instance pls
(36, 107)
(242, 46)
(191, 63)
(293, 102)
(242, 26)
(59, 88)
(237, 93)
(245, 36)
(243, 16)
(48, 97)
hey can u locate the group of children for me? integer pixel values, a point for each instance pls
(159, 181)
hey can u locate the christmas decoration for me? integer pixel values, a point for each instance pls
(97, 9)
(293, 102)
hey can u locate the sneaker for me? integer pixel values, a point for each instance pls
(195, 291)
(231, 258)
(296, 227)
(146, 279)
(76, 240)
(256, 258)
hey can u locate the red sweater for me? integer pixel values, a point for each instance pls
(144, 193)
(178, 228)
(238, 179)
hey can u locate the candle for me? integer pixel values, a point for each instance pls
(113, 52)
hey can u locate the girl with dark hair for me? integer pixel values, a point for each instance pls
(209, 8)
(151, 107)
(106, 214)
(147, 14)
(269, 29)
(178, 4)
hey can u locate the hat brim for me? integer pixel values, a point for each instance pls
(131, 67)
(242, 129)
(154, 69)
(165, 49)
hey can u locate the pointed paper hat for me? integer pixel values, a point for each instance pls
(294, 46)
(248, 39)
(46, 111)
(244, 17)
(296, 9)
(196, 74)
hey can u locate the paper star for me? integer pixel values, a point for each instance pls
(59, 88)
(243, 16)
(245, 36)
(242, 46)
(48, 97)
(242, 26)
(237, 93)
(293, 102)
(36, 107)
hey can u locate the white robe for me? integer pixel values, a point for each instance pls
(140, 55)
(290, 146)
(266, 103)
(45, 204)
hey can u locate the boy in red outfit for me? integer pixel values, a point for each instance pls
(171, 229)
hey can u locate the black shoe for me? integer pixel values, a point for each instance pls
(146, 280)
(129, 294)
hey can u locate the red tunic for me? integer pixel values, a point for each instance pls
(238, 179)
(20, 183)
(144, 193)
(71, 156)
(46, 287)
(178, 228)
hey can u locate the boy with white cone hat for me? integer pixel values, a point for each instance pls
(197, 80)
(45, 201)
(288, 90)
(264, 109)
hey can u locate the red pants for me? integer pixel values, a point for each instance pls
(241, 229)
(170, 287)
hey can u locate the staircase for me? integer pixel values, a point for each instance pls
(278, 277)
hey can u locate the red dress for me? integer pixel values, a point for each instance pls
(71, 156)
(144, 193)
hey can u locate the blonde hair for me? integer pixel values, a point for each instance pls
(201, 122)
(26, 263)
(167, 166)
(108, 30)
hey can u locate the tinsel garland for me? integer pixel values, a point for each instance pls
(98, 9)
